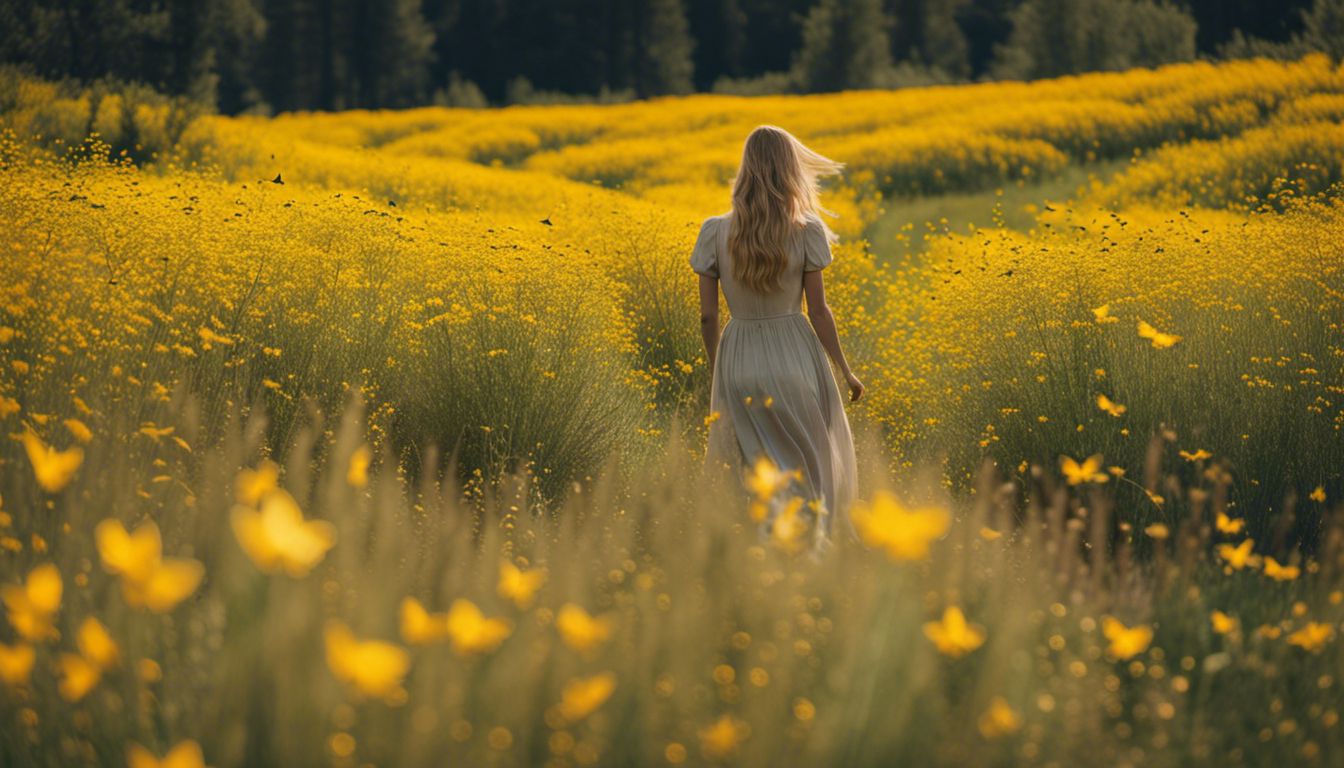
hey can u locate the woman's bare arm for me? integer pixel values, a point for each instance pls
(709, 316)
(823, 322)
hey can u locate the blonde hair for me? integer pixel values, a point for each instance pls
(774, 192)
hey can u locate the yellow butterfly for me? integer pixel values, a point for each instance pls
(904, 533)
(148, 580)
(1126, 642)
(252, 484)
(580, 630)
(471, 631)
(16, 663)
(31, 606)
(1159, 339)
(373, 667)
(518, 585)
(582, 696)
(1110, 406)
(953, 636)
(1278, 572)
(419, 626)
(130, 554)
(96, 645)
(1087, 471)
(78, 676)
(186, 754)
(1240, 556)
(276, 537)
(53, 469)
(1198, 455)
(1228, 525)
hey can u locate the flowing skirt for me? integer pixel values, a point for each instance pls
(776, 396)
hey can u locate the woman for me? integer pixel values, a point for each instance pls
(773, 394)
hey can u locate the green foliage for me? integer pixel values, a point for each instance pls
(1059, 37)
(845, 45)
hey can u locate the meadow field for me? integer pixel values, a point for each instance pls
(374, 438)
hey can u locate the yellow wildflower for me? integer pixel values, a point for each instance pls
(905, 534)
(953, 636)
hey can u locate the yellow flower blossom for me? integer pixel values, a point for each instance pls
(373, 667)
(470, 630)
(1086, 471)
(582, 696)
(32, 605)
(278, 538)
(999, 719)
(519, 585)
(1125, 642)
(184, 754)
(904, 533)
(53, 469)
(580, 630)
(952, 635)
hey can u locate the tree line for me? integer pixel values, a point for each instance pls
(275, 55)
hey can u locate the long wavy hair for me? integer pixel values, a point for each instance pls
(774, 192)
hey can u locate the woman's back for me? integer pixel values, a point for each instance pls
(808, 250)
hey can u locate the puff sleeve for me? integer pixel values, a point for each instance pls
(705, 254)
(816, 246)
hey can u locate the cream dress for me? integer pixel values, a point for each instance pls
(772, 383)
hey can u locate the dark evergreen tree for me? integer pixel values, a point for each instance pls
(845, 45)
(662, 48)
(927, 32)
(1059, 37)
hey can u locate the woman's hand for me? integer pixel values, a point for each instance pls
(855, 387)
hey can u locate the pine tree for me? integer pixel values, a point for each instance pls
(1323, 27)
(662, 49)
(845, 45)
(1059, 37)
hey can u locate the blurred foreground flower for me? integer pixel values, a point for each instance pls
(1276, 571)
(16, 663)
(31, 606)
(1159, 339)
(953, 636)
(1313, 636)
(53, 469)
(1222, 623)
(373, 667)
(148, 580)
(580, 630)
(419, 626)
(1228, 525)
(1126, 642)
(582, 696)
(471, 631)
(788, 531)
(357, 475)
(766, 478)
(1110, 406)
(518, 585)
(1240, 556)
(276, 537)
(186, 754)
(999, 720)
(720, 739)
(1086, 471)
(904, 533)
